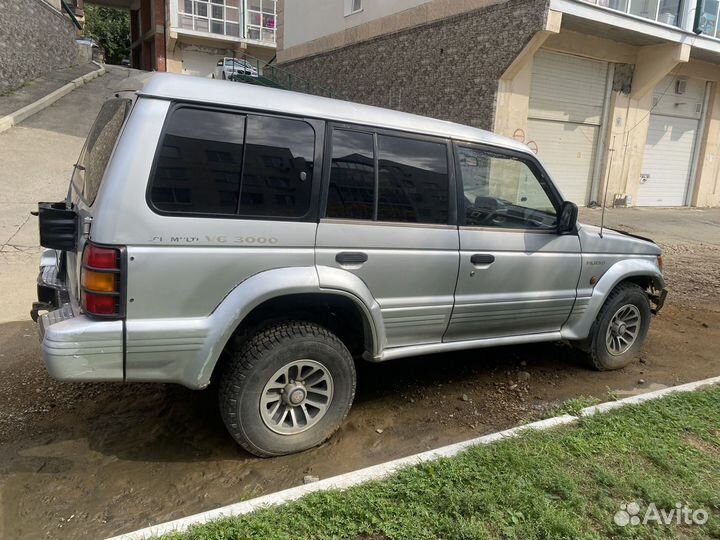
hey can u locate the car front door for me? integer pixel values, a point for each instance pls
(390, 221)
(517, 275)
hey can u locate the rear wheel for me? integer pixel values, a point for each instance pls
(620, 328)
(288, 388)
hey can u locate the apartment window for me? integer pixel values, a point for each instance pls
(223, 17)
(261, 20)
(709, 14)
(352, 6)
(664, 11)
(412, 179)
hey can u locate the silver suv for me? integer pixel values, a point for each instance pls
(268, 240)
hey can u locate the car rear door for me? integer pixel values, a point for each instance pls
(389, 220)
(517, 275)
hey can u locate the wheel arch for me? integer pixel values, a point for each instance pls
(643, 272)
(286, 291)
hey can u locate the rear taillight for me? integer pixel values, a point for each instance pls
(100, 281)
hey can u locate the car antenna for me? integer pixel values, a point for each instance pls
(607, 184)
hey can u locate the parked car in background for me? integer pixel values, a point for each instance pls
(227, 67)
(270, 240)
(97, 53)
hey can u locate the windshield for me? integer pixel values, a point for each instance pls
(91, 165)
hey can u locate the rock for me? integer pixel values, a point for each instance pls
(705, 325)
(641, 381)
(379, 431)
(523, 363)
(309, 479)
(523, 376)
(465, 397)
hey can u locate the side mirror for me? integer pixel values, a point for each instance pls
(567, 218)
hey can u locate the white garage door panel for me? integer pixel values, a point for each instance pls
(567, 151)
(667, 161)
(567, 88)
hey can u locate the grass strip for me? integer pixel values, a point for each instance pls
(567, 482)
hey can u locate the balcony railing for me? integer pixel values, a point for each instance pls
(663, 11)
(254, 20)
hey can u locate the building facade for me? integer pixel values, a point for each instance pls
(620, 99)
(191, 36)
(36, 36)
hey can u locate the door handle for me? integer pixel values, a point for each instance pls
(480, 259)
(351, 257)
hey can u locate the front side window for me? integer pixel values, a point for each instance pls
(225, 163)
(503, 191)
(407, 181)
(93, 161)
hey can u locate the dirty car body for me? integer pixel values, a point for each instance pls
(270, 239)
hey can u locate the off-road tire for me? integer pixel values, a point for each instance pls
(595, 346)
(250, 367)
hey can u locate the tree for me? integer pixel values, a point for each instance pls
(111, 29)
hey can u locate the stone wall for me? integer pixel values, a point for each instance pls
(447, 69)
(34, 38)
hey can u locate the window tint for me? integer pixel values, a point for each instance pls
(352, 176)
(204, 167)
(277, 178)
(200, 163)
(101, 140)
(413, 181)
(502, 191)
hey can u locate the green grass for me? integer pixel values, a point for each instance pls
(564, 483)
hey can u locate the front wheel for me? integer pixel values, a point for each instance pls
(620, 328)
(288, 388)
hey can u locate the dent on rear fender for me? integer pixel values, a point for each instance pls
(587, 307)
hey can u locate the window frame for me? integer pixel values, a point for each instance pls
(349, 8)
(318, 127)
(375, 132)
(532, 163)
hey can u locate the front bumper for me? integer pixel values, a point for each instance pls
(74, 347)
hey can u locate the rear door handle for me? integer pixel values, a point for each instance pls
(351, 257)
(480, 259)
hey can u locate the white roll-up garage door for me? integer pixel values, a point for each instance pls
(567, 95)
(670, 146)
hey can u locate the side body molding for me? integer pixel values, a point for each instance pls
(586, 309)
(348, 284)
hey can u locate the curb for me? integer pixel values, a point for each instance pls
(378, 472)
(12, 119)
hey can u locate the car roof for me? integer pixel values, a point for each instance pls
(212, 91)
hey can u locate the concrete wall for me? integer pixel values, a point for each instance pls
(447, 69)
(34, 38)
(307, 25)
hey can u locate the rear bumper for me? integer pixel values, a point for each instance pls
(74, 347)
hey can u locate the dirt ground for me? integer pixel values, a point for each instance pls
(93, 460)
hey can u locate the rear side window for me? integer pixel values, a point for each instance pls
(352, 173)
(413, 181)
(90, 169)
(406, 181)
(223, 163)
